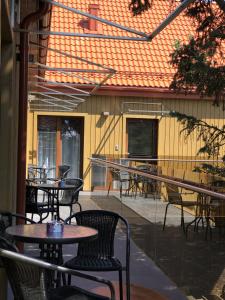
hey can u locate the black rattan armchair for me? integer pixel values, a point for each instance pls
(63, 171)
(98, 254)
(8, 219)
(27, 277)
(71, 197)
(35, 206)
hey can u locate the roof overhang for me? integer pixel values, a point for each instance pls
(47, 94)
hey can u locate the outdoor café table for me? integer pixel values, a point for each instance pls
(54, 190)
(51, 244)
(41, 171)
(37, 233)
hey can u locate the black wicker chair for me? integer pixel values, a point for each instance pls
(27, 277)
(98, 254)
(35, 206)
(63, 171)
(8, 219)
(71, 197)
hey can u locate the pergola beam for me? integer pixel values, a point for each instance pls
(74, 56)
(170, 18)
(82, 13)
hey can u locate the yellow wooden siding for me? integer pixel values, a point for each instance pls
(103, 133)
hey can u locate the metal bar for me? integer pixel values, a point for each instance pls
(56, 92)
(170, 159)
(41, 99)
(77, 76)
(152, 111)
(51, 97)
(101, 83)
(84, 93)
(97, 18)
(55, 104)
(71, 70)
(160, 104)
(57, 99)
(160, 178)
(170, 18)
(59, 93)
(61, 109)
(38, 104)
(85, 35)
(73, 56)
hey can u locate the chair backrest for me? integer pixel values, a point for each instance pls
(105, 222)
(124, 175)
(63, 171)
(8, 219)
(5, 221)
(27, 280)
(31, 199)
(71, 196)
(173, 193)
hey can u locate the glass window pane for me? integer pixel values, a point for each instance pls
(47, 143)
(142, 139)
(71, 143)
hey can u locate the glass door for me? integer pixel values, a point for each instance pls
(71, 135)
(47, 133)
(60, 142)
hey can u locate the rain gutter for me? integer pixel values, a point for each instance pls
(23, 95)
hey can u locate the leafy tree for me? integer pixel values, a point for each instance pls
(200, 68)
(200, 62)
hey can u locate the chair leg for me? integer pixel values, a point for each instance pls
(128, 284)
(109, 188)
(121, 284)
(164, 222)
(80, 207)
(182, 218)
(121, 189)
(69, 280)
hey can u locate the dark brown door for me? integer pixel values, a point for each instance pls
(142, 137)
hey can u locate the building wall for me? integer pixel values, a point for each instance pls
(103, 133)
(8, 122)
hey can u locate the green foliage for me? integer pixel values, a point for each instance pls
(200, 62)
(212, 136)
(139, 6)
(200, 68)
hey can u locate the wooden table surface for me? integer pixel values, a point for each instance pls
(37, 233)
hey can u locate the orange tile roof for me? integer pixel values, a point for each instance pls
(138, 64)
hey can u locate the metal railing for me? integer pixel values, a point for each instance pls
(186, 184)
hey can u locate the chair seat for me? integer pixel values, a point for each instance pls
(184, 203)
(94, 264)
(189, 203)
(72, 292)
(39, 208)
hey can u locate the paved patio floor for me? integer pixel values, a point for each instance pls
(164, 261)
(194, 264)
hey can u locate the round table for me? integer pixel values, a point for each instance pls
(54, 189)
(51, 244)
(37, 233)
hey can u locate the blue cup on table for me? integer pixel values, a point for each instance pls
(55, 228)
(61, 183)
